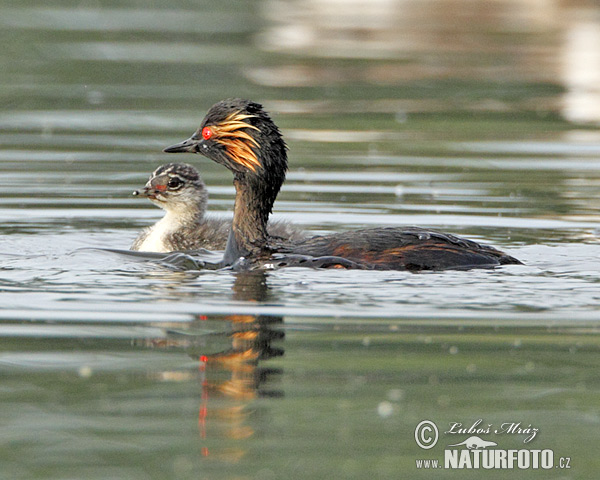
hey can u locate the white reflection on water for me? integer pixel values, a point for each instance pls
(95, 121)
(431, 40)
(400, 28)
(581, 67)
(148, 52)
(121, 19)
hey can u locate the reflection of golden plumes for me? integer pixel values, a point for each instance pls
(240, 389)
(241, 386)
(238, 413)
(228, 350)
(235, 358)
(248, 336)
(241, 432)
(242, 318)
(244, 341)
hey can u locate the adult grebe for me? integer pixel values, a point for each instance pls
(178, 189)
(240, 135)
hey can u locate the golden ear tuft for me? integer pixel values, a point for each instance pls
(239, 143)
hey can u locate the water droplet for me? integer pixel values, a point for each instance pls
(385, 409)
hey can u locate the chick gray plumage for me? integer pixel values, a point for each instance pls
(178, 189)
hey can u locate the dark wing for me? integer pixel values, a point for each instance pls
(402, 249)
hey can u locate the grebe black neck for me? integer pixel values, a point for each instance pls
(240, 135)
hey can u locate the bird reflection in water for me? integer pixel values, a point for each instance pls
(230, 350)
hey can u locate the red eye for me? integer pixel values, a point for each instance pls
(207, 133)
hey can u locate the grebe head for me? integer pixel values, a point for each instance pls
(176, 187)
(240, 135)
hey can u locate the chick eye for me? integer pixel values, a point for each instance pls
(207, 133)
(175, 182)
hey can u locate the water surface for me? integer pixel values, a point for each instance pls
(481, 122)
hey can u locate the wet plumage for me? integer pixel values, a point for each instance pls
(240, 135)
(411, 248)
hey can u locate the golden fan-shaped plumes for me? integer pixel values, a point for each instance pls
(239, 143)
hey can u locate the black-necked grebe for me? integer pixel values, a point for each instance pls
(240, 135)
(178, 189)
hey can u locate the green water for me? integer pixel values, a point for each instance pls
(475, 118)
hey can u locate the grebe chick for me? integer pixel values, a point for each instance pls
(178, 189)
(240, 135)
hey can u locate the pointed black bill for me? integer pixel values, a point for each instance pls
(190, 145)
